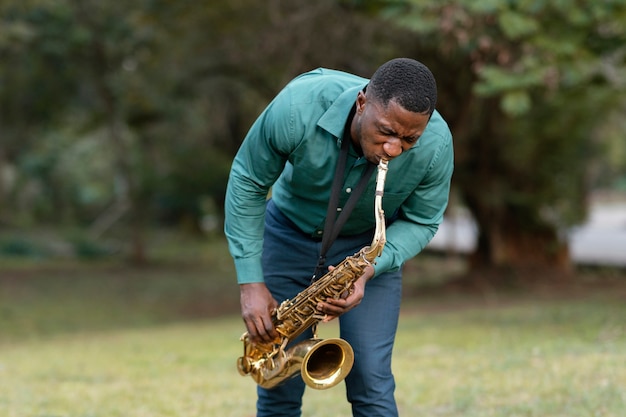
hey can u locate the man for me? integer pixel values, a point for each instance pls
(294, 147)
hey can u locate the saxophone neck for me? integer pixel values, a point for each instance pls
(379, 240)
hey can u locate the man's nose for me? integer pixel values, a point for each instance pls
(393, 147)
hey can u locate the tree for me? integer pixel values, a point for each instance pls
(126, 114)
(525, 86)
(76, 87)
(232, 57)
(30, 50)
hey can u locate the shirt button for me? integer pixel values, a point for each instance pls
(348, 190)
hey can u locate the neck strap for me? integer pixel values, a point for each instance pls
(332, 227)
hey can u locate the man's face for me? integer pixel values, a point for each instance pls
(385, 132)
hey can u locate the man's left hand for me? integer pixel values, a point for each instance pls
(334, 308)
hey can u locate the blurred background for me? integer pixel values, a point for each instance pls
(118, 124)
(119, 120)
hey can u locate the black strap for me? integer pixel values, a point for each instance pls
(332, 227)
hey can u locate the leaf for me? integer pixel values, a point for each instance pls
(515, 103)
(515, 25)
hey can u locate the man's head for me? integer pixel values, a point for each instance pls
(406, 81)
(393, 112)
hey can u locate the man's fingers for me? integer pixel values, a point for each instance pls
(336, 307)
(268, 329)
(261, 329)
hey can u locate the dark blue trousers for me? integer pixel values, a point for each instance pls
(289, 258)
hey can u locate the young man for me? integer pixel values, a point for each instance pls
(293, 147)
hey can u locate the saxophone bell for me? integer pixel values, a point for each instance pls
(326, 363)
(322, 364)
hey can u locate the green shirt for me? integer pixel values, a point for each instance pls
(293, 148)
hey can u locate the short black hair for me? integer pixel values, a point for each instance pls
(407, 81)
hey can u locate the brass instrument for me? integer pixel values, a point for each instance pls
(322, 363)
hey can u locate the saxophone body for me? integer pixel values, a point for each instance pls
(323, 363)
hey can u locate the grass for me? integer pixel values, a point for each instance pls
(96, 340)
(533, 359)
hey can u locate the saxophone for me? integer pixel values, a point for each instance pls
(323, 363)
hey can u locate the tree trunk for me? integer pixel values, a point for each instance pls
(514, 242)
(514, 245)
(102, 67)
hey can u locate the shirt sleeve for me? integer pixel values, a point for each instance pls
(257, 165)
(422, 213)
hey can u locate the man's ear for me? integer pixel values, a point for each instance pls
(361, 98)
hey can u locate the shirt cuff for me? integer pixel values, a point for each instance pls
(381, 264)
(249, 270)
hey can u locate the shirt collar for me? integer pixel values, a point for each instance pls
(334, 119)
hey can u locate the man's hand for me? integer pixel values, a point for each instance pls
(257, 305)
(334, 308)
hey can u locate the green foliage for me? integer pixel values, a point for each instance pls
(142, 104)
(86, 248)
(531, 90)
(517, 25)
(132, 110)
(527, 44)
(516, 103)
(18, 246)
(47, 246)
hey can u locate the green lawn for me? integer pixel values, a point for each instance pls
(108, 341)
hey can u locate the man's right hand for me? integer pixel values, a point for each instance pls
(257, 305)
